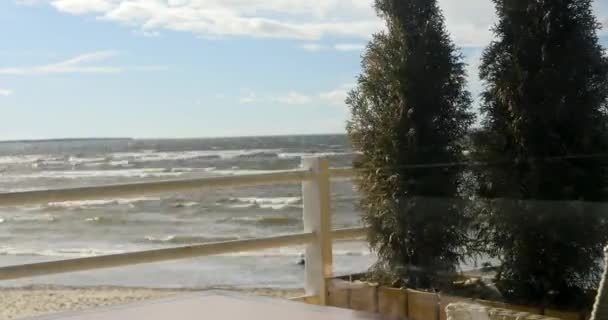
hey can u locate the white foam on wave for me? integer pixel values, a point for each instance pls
(99, 203)
(188, 239)
(266, 220)
(78, 160)
(237, 171)
(275, 203)
(298, 155)
(25, 159)
(150, 156)
(30, 218)
(64, 253)
(87, 174)
(114, 163)
(187, 204)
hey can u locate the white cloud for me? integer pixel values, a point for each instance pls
(248, 98)
(313, 47)
(5, 92)
(292, 98)
(337, 96)
(78, 64)
(468, 21)
(82, 6)
(29, 2)
(147, 33)
(349, 46)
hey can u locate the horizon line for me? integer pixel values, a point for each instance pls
(68, 139)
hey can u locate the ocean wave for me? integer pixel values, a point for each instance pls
(99, 203)
(299, 155)
(186, 204)
(258, 155)
(114, 163)
(64, 253)
(104, 220)
(75, 160)
(25, 159)
(30, 218)
(185, 239)
(87, 174)
(264, 220)
(238, 171)
(151, 156)
(274, 203)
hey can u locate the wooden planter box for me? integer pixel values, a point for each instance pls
(418, 305)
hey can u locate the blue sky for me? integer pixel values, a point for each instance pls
(195, 68)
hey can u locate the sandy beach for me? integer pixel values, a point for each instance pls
(16, 303)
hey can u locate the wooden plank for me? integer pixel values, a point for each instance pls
(422, 305)
(133, 258)
(338, 293)
(364, 297)
(342, 172)
(392, 302)
(316, 200)
(137, 189)
(307, 299)
(350, 233)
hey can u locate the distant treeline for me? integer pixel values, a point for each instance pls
(65, 140)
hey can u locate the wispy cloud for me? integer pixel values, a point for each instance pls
(349, 46)
(292, 98)
(78, 64)
(316, 47)
(248, 98)
(338, 95)
(334, 97)
(5, 92)
(312, 47)
(291, 19)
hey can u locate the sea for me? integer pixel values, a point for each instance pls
(73, 229)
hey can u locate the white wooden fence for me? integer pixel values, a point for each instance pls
(317, 235)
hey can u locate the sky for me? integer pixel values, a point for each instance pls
(197, 68)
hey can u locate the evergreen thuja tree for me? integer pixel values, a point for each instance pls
(545, 127)
(411, 108)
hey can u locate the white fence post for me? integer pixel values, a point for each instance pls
(316, 199)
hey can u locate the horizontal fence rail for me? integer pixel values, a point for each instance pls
(350, 233)
(317, 236)
(137, 189)
(168, 254)
(342, 172)
(158, 255)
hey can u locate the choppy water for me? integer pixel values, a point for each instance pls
(93, 227)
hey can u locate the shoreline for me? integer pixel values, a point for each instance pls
(35, 300)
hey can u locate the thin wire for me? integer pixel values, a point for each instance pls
(487, 164)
